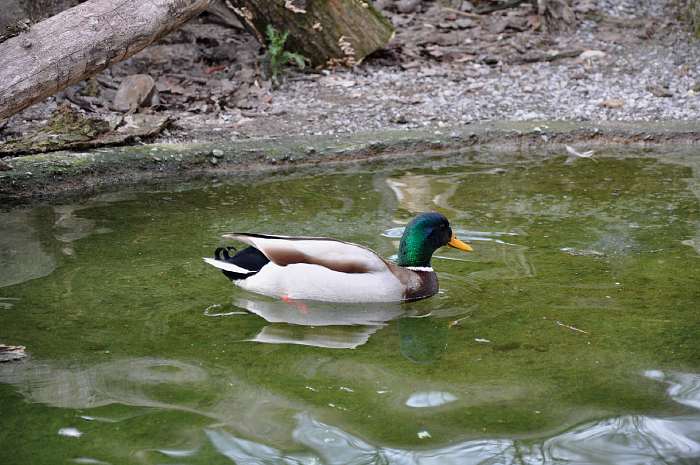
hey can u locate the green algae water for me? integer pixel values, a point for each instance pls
(570, 334)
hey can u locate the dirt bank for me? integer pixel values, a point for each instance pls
(55, 174)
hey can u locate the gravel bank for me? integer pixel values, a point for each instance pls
(639, 64)
(616, 85)
(626, 60)
(568, 91)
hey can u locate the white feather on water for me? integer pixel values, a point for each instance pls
(430, 399)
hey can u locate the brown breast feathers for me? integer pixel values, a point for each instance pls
(417, 284)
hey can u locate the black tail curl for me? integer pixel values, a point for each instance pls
(249, 258)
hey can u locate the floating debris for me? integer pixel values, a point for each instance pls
(12, 353)
(337, 407)
(424, 435)
(575, 154)
(457, 321)
(394, 233)
(209, 311)
(178, 453)
(481, 340)
(430, 399)
(582, 252)
(70, 432)
(100, 419)
(89, 461)
(8, 302)
(572, 328)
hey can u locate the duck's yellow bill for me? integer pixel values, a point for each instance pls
(457, 244)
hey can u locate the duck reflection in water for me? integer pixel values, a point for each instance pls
(345, 326)
(423, 340)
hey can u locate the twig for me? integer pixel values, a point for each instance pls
(108, 83)
(462, 13)
(73, 97)
(547, 57)
(500, 6)
(571, 327)
(457, 321)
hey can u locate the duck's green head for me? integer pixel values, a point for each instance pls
(425, 234)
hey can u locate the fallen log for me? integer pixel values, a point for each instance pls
(80, 42)
(325, 32)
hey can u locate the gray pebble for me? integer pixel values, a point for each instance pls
(407, 6)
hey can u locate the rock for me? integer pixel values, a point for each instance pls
(385, 5)
(66, 128)
(466, 6)
(464, 23)
(5, 166)
(591, 55)
(137, 90)
(613, 103)
(660, 91)
(585, 6)
(217, 153)
(498, 26)
(399, 119)
(336, 81)
(408, 6)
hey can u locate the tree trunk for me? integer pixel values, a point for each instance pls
(557, 14)
(326, 32)
(227, 16)
(81, 42)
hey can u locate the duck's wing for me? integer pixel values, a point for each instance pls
(330, 253)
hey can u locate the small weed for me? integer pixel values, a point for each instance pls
(277, 56)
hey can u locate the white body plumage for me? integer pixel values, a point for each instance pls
(305, 281)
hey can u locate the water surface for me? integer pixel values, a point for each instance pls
(570, 335)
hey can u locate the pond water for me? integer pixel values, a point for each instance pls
(570, 334)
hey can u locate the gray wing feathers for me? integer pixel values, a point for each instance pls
(330, 253)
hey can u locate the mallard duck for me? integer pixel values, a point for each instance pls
(319, 268)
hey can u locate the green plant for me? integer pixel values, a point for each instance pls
(276, 54)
